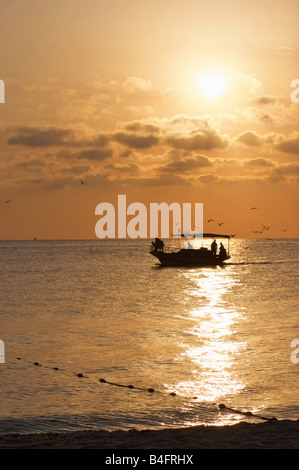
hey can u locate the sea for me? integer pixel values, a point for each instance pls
(95, 334)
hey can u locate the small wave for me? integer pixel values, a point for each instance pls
(249, 263)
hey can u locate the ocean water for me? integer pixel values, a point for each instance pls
(198, 337)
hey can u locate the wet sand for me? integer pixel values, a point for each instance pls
(268, 435)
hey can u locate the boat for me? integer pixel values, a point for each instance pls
(191, 256)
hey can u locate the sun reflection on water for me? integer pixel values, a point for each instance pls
(211, 345)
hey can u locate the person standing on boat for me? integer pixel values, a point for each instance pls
(214, 247)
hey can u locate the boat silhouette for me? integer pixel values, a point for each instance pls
(190, 256)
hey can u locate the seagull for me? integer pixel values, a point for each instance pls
(7, 201)
(265, 227)
(212, 220)
(284, 229)
(253, 209)
(82, 182)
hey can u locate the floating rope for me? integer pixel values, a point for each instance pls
(101, 380)
(221, 406)
(245, 413)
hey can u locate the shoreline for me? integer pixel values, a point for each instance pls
(269, 435)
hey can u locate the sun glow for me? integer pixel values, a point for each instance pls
(212, 85)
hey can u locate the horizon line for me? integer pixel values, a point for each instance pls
(133, 239)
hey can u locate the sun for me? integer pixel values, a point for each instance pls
(212, 85)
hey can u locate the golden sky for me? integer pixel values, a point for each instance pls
(161, 100)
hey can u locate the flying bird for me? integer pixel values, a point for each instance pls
(83, 182)
(7, 200)
(284, 229)
(253, 209)
(212, 220)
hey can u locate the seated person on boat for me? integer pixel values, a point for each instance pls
(222, 252)
(158, 244)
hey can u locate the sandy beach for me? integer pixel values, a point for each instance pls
(268, 435)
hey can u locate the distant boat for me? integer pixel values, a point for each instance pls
(191, 256)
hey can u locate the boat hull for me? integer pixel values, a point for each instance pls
(188, 258)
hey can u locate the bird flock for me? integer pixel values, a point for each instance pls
(264, 228)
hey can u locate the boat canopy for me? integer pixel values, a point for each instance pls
(204, 235)
(214, 235)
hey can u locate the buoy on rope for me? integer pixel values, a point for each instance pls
(245, 413)
(221, 406)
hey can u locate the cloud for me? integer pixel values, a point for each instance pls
(179, 132)
(289, 146)
(29, 164)
(246, 83)
(253, 139)
(250, 138)
(100, 140)
(264, 100)
(137, 84)
(43, 136)
(141, 111)
(288, 169)
(208, 179)
(76, 170)
(136, 141)
(131, 168)
(136, 134)
(94, 154)
(198, 140)
(143, 127)
(183, 165)
(259, 162)
(40, 137)
(159, 180)
(192, 133)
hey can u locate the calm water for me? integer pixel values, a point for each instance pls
(105, 309)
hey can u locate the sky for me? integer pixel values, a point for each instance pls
(164, 101)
